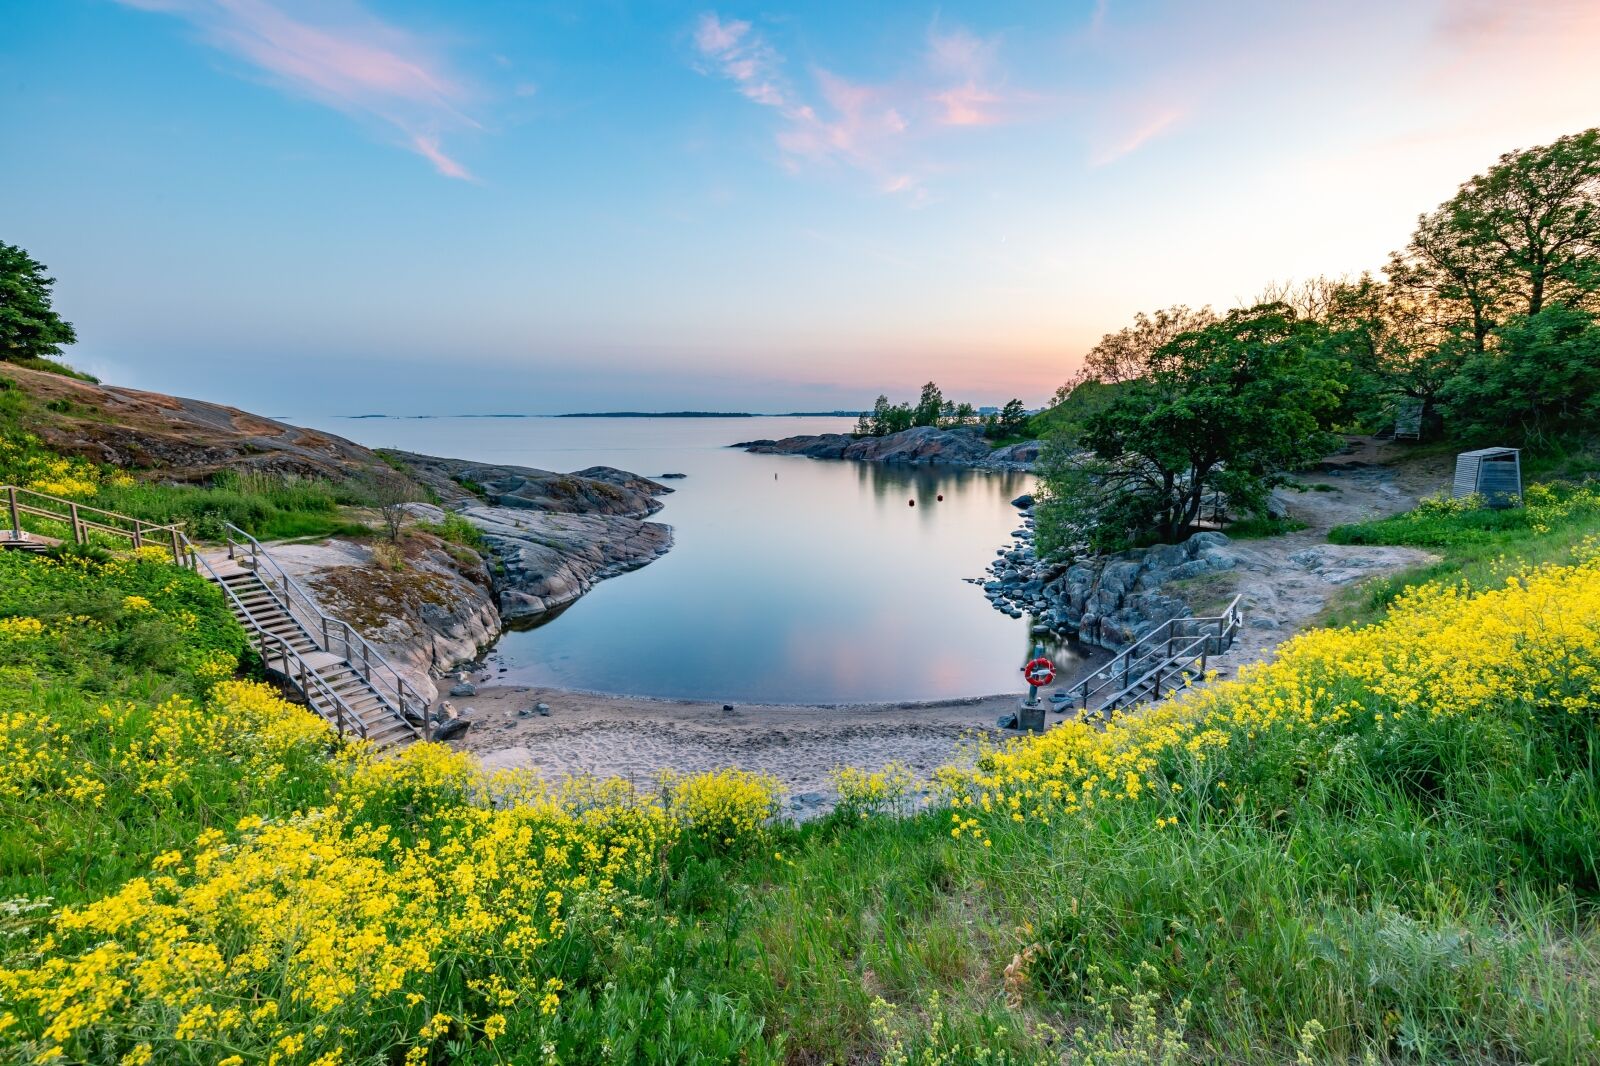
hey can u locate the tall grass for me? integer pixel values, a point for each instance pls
(271, 507)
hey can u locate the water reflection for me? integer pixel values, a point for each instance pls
(790, 579)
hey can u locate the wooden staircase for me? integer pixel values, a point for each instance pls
(337, 671)
(341, 693)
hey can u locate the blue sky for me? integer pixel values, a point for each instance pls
(326, 207)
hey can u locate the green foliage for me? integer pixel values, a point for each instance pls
(29, 328)
(1189, 426)
(456, 530)
(1443, 522)
(1478, 545)
(268, 506)
(1012, 421)
(1540, 382)
(1067, 420)
(92, 648)
(931, 409)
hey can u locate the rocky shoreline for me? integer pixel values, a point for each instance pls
(1108, 601)
(547, 539)
(924, 445)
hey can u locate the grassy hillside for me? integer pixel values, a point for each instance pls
(268, 504)
(1381, 847)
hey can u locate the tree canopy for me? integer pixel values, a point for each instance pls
(29, 327)
(1221, 410)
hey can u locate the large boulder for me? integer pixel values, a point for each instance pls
(596, 491)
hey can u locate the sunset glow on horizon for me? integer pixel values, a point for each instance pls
(554, 207)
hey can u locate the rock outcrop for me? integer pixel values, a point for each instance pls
(599, 490)
(924, 445)
(435, 610)
(543, 560)
(178, 438)
(1109, 601)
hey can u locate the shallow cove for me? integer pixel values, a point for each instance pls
(790, 580)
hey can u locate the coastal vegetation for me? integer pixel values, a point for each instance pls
(266, 504)
(1483, 329)
(933, 410)
(31, 332)
(1379, 845)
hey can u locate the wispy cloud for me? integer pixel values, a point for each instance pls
(973, 99)
(341, 56)
(1132, 138)
(866, 126)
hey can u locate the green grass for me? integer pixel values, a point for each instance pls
(266, 506)
(1480, 546)
(51, 366)
(101, 674)
(269, 506)
(456, 530)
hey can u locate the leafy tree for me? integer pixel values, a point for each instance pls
(1125, 354)
(929, 406)
(1012, 420)
(1540, 379)
(1226, 408)
(1521, 235)
(964, 415)
(29, 327)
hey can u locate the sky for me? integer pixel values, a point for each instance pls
(420, 206)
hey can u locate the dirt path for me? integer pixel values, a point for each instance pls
(1285, 582)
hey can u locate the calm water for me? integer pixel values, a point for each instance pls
(790, 580)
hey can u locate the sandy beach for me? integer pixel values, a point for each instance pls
(637, 738)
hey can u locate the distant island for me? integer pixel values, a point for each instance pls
(639, 414)
(710, 414)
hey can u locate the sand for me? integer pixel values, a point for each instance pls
(637, 738)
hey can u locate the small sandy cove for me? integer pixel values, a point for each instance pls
(637, 738)
(1283, 581)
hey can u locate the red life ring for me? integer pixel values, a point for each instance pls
(1039, 672)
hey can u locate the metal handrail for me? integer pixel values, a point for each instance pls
(308, 678)
(338, 637)
(1159, 641)
(1153, 676)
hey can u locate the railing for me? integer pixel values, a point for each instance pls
(278, 655)
(337, 637)
(1161, 651)
(82, 520)
(334, 635)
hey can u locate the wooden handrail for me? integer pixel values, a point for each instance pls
(23, 501)
(348, 644)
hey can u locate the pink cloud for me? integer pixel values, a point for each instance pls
(1131, 140)
(865, 126)
(968, 60)
(341, 57)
